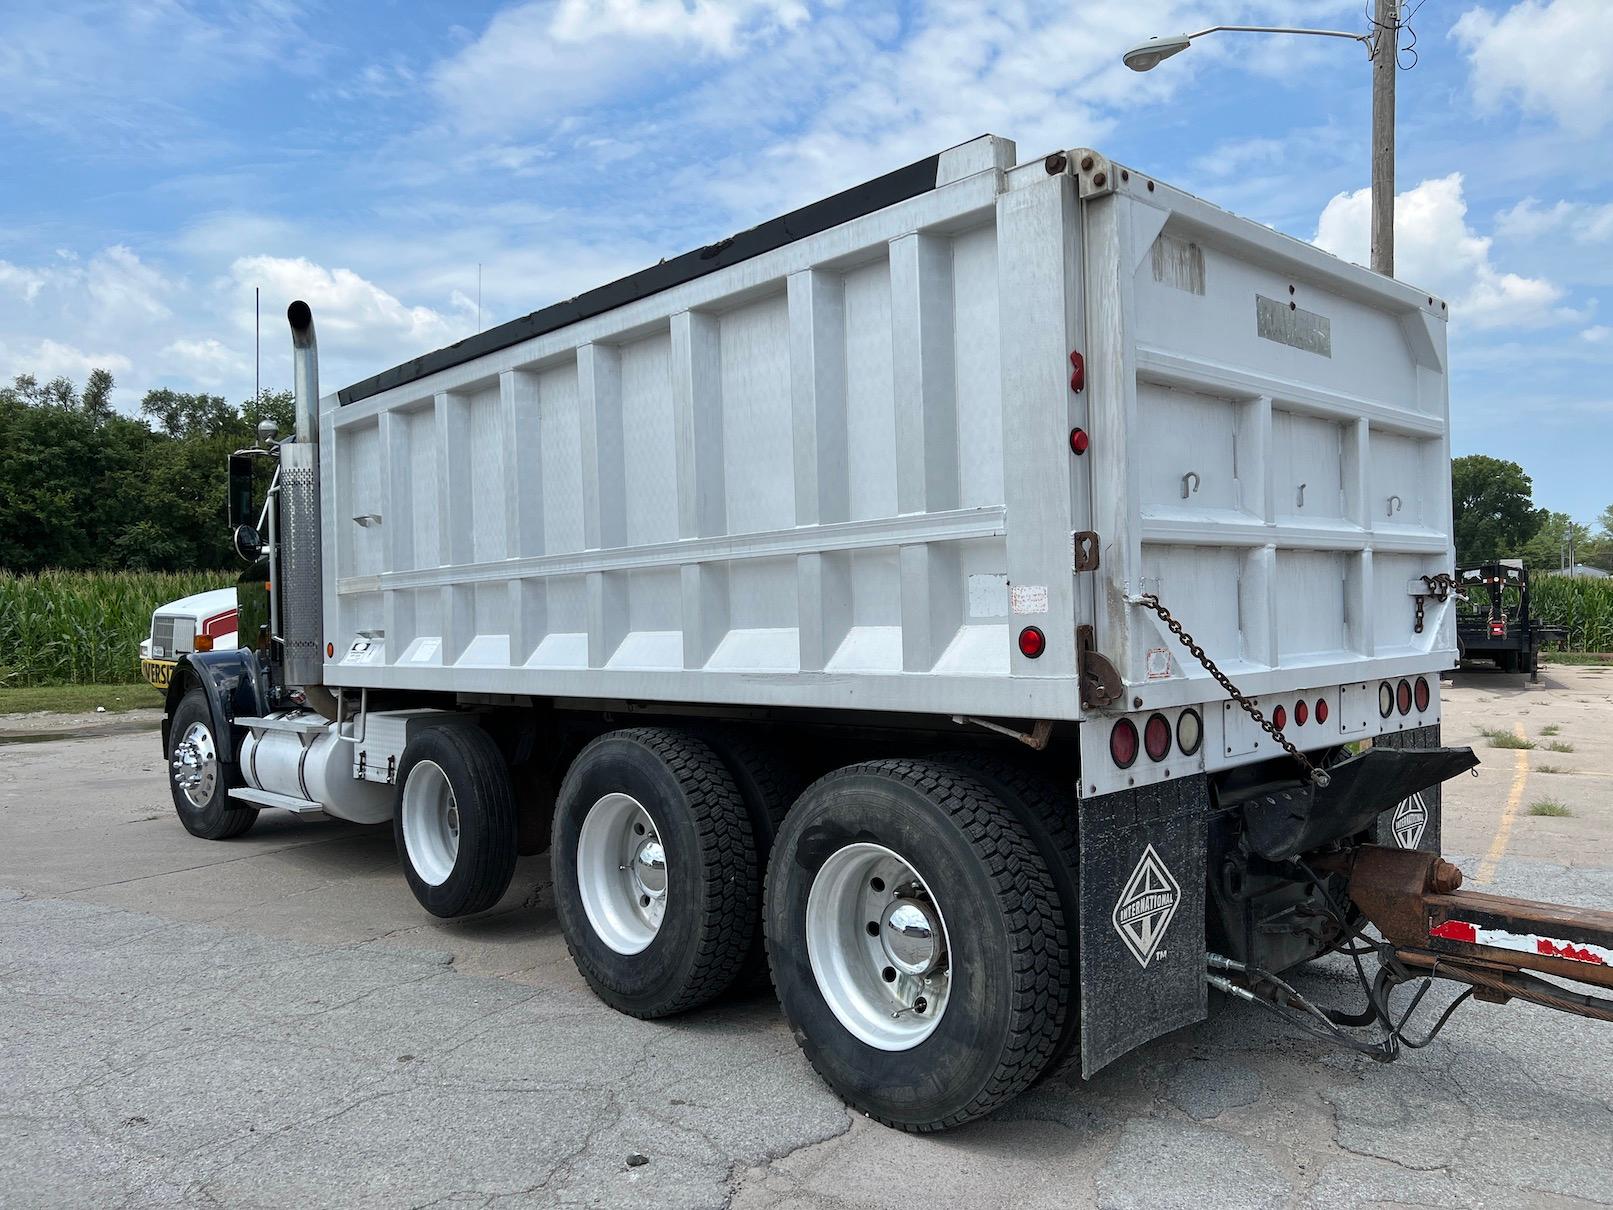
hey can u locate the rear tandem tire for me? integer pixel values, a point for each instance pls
(962, 857)
(216, 816)
(454, 820)
(653, 821)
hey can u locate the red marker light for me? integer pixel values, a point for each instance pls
(1421, 693)
(1079, 441)
(1157, 737)
(1302, 712)
(1403, 696)
(1321, 710)
(1032, 642)
(1279, 718)
(1123, 743)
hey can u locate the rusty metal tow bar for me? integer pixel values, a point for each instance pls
(1492, 943)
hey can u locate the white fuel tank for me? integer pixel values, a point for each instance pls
(299, 754)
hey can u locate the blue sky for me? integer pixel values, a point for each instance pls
(163, 158)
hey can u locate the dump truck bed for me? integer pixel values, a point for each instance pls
(832, 463)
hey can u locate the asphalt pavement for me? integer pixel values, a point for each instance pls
(273, 1021)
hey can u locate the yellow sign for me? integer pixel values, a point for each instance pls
(157, 672)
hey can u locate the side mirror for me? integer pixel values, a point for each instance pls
(248, 543)
(240, 499)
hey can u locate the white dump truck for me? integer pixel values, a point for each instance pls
(1000, 602)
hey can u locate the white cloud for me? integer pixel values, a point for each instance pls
(14, 279)
(1597, 334)
(1437, 250)
(542, 61)
(51, 358)
(1578, 221)
(356, 311)
(207, 361)
(1555, 58)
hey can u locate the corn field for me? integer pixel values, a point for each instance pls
(84, 627)
(1582, 607)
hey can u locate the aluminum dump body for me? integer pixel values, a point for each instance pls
(836, 469)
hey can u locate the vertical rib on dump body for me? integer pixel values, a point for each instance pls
(837, 471)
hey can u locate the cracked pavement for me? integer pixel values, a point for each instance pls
(273, 1021)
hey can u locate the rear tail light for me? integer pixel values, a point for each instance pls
(1302, 712)
(1157, 737)
(1079, 441)
(1321, 710)
(1032, 642)
(1123, 743)
(1279, 717)
(1420, 692)
(1189, 732)
(1498, 630)
(1386, 699)
(1403, 696)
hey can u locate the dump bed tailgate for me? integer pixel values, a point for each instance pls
(1271, 433)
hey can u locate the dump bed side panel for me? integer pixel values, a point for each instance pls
(784, 482)
(1270, 426)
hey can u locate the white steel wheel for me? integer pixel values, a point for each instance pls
(621, 873)
(877, 942)
(430, 816)
(195, 765)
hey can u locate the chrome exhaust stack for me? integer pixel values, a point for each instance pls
(298, 577)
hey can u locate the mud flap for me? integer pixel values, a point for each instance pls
(1142, 943)
(1414, 823)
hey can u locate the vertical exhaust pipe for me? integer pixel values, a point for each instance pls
(305, 370)
(299, 577)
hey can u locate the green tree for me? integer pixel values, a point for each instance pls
(1493, 506)
(278, 406)
(180, 414)
(1549, 547)
(96, 401)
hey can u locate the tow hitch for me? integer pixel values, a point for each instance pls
(1432, 929)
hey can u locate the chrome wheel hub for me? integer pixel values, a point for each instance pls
(877, 941)
(430, 823)
(195, 765)
(622, 873)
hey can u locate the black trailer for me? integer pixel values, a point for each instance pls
(1493, 620)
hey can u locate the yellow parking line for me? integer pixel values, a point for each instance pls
(1520, 777)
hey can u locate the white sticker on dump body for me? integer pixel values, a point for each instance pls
(1028, 598)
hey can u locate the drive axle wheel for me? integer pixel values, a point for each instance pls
(917, 943)
(655, 876)
(454, 821)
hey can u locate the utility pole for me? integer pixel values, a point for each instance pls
(1385, 57)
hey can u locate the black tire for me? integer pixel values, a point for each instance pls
(1005, 933)
(484, 859)
(713, 879)
(769, 782)
(1049, 816)
(220, 817)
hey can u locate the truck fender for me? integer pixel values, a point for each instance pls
(235, 688)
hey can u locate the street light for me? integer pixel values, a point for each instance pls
(1146, 56)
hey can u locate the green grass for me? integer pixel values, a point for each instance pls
(1584, 659)
(1550, 729)
(1559, 745)
(79, 699)
(1549, 807)
(84, 627)
(1504, 739)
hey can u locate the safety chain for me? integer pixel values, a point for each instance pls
(1316, 775)
(1440, 585)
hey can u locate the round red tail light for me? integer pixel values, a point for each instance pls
(1279, 717)
(1403, 696)
(1386, 699)
(1123, 743)
(1321, 710)
(1157, 737)
(1421, 693)
(1189, 732)
(1302, 712)
(1032, 642)
(1079, 441)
